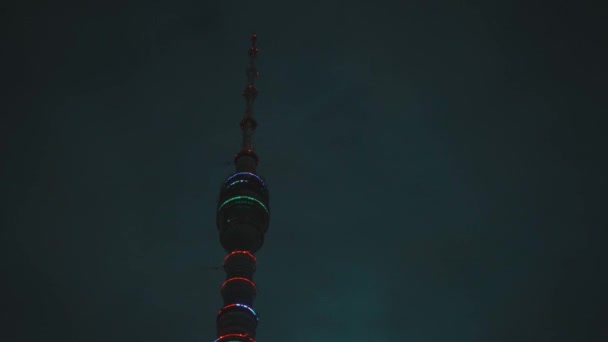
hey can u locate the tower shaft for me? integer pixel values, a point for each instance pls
(243, 215)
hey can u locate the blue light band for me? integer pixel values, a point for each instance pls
(245, 173)
(236, 182)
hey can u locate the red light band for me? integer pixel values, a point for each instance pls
(240, 336)
(238, 305)
(239, 278)
(240, 252)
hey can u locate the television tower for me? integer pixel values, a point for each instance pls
(243, 214)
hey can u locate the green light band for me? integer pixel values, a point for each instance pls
(236, 198)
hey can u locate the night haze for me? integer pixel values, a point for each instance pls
(437, 169)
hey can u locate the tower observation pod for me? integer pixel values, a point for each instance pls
(243, 215)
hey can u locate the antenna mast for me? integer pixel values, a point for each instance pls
(246, 160)
(248, 124)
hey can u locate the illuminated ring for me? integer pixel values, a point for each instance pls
(242, 279)
(240, 252)
(237, 305)
(248, 198)
(245, 173)
(236, 182)
(241, 337)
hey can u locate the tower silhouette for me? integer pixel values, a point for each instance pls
(243, 214)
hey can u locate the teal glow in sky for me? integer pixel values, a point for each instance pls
(437, 169)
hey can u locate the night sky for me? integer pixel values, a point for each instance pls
(436, 169)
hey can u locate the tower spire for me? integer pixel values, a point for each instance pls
(243, 216)
(248, 123)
